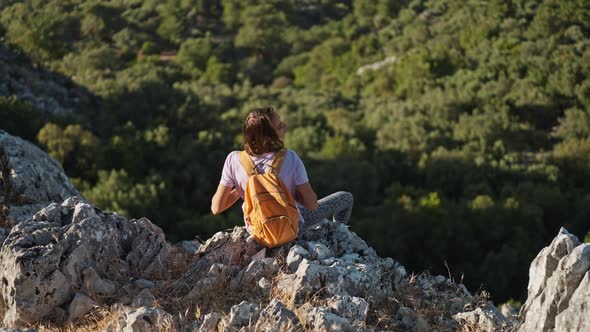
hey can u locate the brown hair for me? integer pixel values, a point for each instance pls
(258, 133)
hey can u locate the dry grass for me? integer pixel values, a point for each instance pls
(431, 305)
(99, 319)
(217, 298)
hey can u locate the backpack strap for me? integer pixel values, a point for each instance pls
(247, 163)
(278, 159)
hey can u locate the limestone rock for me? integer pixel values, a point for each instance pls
(296, 254)
(556, 275)
(318, 251)
(254, 271)
(74, 246)
(355, 309)
(487, 319)
(355, 269)
(94, 284)
(80, 305)
(145, 298)
(546, 261)
(575, 317)
(144, 319)
(241, 315)
(322, 319)
(210, 322)
(276, 317)
(29, 179)
(265, 285)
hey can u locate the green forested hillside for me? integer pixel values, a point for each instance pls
(467, 146)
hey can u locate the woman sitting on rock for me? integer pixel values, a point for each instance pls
(263, 132)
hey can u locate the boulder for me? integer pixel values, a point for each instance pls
(557, 287)
(29, 180)
(276, 317)
(74, 247)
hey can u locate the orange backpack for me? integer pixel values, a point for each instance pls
(269, 207)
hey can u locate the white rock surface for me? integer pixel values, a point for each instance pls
(487, 319)
(241, 315)
(354, 309)
(74, 246)
(33, 179)
(322, 319)
(558, 287)
(276, 317)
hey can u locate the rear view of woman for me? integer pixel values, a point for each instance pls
(263, 132)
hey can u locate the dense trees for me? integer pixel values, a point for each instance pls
(465, 142)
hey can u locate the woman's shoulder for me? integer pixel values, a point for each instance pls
(292, 156)
(232, 156)
(291, 152)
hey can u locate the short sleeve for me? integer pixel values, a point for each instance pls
(300, 172)
(227, 175)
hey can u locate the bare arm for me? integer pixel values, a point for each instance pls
(305, 195)
(224, 198)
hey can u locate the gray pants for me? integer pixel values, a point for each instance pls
(336, 207)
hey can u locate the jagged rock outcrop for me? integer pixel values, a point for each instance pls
(559, 287)
(75, 252)
(29, 180)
